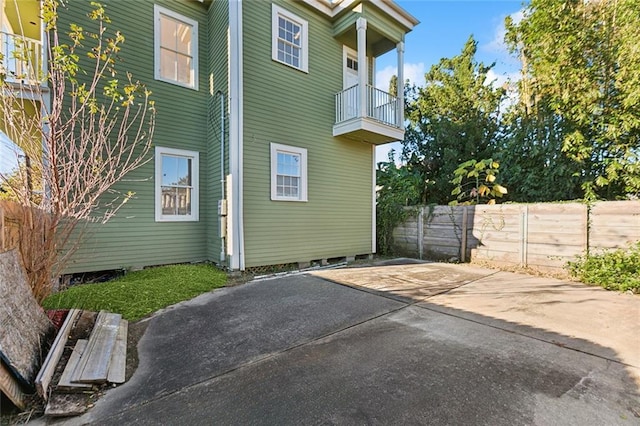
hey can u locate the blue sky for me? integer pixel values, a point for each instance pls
(445, 25)
(8, 154)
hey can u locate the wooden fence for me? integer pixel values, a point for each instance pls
(9, 225)
(538, 236)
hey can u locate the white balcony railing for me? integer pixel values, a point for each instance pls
(381, 106)
(22, 59)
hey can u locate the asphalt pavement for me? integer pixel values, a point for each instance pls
(428, 344)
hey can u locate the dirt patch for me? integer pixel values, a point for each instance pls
(134, 334)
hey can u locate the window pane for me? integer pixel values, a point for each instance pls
(288, 175)
(184, 69)
(168, 201)
(184, 171)
(167, 32)
(169, 170)
(289, 42)
(184, 38)
(176, 55)
(183, 200)
(295, 185)
(288, 164)
(167, 64)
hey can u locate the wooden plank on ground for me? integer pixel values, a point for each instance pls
(94, 365)
(43, 379)
(118, 364)
(66, 404)
(10, 387)
(65, 382)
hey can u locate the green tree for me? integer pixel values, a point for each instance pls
(581, 59)
(454, 117)
(534, 168)
(398, 187)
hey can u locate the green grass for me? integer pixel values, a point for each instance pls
(141, 293)
(614, 270)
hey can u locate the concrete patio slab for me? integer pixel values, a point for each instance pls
(407, 282)
(584, 318)
(304, 350)
(588, 319)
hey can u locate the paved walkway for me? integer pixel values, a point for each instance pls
(412, 344)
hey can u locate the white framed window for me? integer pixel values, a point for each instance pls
(290, 39)
(288, 173)
(176, 48)
(176, 178)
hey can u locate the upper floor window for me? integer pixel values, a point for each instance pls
(176, 48)
(290, 36)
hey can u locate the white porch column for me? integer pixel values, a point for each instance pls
(400, 85)
(361, 27)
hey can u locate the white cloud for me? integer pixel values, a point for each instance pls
(497, 45)
(413, 72)
(509, 81)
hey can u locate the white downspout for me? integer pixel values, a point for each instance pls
(222, 214)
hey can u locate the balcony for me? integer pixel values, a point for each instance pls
(22, 59)
(379, 121)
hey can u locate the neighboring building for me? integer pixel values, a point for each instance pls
(21, 30)
(269, 107)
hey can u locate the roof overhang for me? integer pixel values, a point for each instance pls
(334, 9)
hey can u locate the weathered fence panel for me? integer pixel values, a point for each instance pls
(614, 224)
(9, 225)
(542, 236)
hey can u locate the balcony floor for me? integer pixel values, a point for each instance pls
(368, 130)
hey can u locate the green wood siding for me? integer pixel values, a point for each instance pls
(218, 18)
(287, 106)
(132, 238)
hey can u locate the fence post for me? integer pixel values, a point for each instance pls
(2, 248)
(420, 224)
(587, 229)
(463, 239)
(524, 237)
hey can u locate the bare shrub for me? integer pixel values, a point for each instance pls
(81, 127)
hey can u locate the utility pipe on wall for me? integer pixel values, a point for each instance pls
(222, 213)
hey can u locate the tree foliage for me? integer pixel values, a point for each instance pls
(581, 60)
(534, 166)
(398, 187)
(453, 118)
(475, 183)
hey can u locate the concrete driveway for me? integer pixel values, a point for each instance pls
(399, 344)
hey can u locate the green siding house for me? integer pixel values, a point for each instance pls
(266, 128)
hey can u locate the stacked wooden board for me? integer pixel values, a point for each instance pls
(95, 361)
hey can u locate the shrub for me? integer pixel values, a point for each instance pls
(614, 270)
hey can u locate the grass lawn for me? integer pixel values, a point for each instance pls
(141, 293)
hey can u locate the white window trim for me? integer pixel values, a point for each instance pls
(157, 11)
(195, 179)
(302, 152)
(277, 11)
